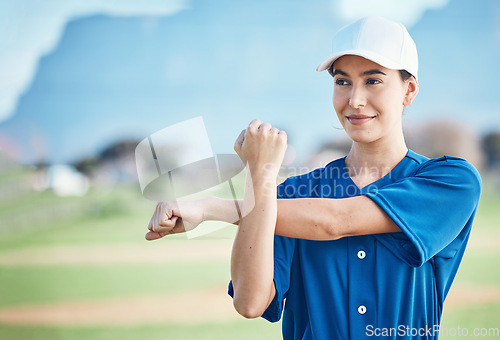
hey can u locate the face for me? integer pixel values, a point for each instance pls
(369, 99)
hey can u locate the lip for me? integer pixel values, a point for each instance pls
(359, 119)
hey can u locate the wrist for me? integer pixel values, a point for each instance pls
(259, 191)
(263, 173)
(221, 209)
(207, 205)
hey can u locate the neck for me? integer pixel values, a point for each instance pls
(370, 161)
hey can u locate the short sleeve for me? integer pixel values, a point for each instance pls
(283, 255)
(431, 207)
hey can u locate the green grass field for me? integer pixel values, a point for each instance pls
(117, 217)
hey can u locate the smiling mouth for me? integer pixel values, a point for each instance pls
(359, 119)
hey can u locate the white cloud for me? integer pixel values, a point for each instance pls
(31, 28)
(407, 12)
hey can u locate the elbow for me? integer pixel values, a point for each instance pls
(248, 310)
(332, 232)
(337, 224)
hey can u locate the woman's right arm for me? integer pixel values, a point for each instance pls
(252, 258)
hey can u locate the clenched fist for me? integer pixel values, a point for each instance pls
(175, 217)
(262, 147)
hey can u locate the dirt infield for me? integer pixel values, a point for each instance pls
(177, 250)
(474, 296)
(158, 251)
(213, 305)
(210, 305)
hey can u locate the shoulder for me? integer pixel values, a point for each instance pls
(449, 166)
(447, 169)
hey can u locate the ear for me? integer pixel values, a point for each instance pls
(411, 91)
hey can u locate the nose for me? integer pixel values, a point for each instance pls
(358, 97)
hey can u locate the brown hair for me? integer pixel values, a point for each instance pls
(405, 75)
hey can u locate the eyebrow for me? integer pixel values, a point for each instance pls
(366, 73)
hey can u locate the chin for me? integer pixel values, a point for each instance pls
(362, 137)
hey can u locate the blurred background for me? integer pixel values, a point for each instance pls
(83, 81)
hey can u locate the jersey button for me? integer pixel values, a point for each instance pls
(361, 254)
(361, 309)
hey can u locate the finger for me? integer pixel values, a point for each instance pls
(239, 141)
(254, 125)
(156, 223)
(265, 128)
(152, 235)
(163, 231)
(150, 224)
(283, 134)
(164, 218)
(274, 131)
(158, 206)
(168, 223)
(179, 227)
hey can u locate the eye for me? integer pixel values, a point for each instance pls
(373, 81)
(341, 82)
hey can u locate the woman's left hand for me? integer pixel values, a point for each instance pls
(175, 217)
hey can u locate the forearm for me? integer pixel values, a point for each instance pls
(316, 218)
(298, 218)
(307, 218)
(252, 258)
(294, 217)
(331, 219)
(222, 209)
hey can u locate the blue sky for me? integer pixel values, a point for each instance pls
(77, 75)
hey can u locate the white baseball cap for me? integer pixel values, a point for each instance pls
(382, 41)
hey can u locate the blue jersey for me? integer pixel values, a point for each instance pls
(392, 284)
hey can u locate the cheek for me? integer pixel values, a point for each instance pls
(394, 98)
(388, 103)
(338, 102)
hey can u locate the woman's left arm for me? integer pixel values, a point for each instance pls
(316, 218)
(331, 219)
(431, 207)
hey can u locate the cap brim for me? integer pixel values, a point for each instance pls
(382, 61)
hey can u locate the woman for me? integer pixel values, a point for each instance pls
(366, 246)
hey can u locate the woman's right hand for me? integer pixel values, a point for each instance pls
(262, 147)
(175, 217)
